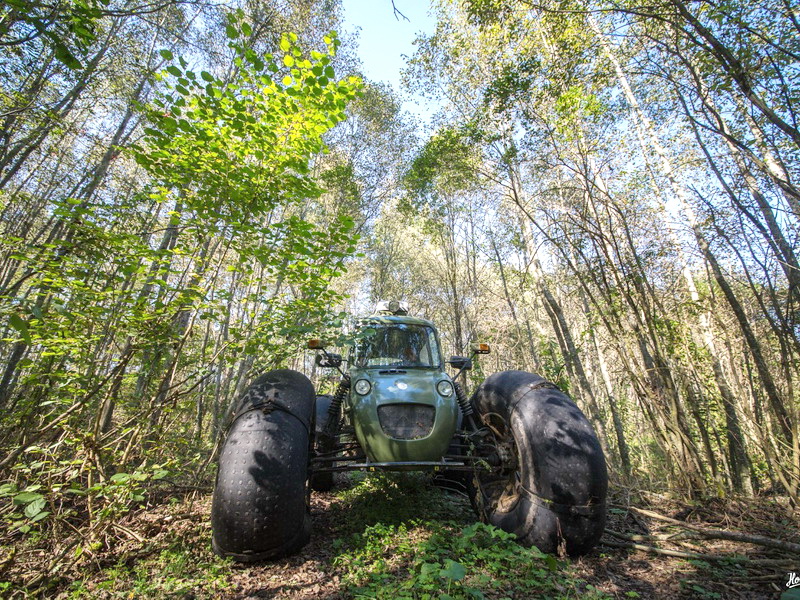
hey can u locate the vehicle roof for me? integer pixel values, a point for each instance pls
(388, 319)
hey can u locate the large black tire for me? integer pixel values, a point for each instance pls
(260, 510)
(553, 493)
(321, 482)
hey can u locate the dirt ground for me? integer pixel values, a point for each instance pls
(619, 572)
(616, 571)
(170, 542)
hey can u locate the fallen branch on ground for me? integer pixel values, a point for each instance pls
(660, 537)
(723, 534)
(697, 555)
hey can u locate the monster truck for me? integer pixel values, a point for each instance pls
(527, 455)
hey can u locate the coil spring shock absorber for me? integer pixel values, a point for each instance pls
(465, 405)
(463, 402)
(331, 428)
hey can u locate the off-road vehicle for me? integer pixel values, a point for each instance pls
(526, 454)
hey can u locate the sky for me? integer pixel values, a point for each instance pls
(383, 39)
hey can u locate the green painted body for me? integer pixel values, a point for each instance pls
(401, 385)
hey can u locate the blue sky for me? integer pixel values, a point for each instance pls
(383, 39)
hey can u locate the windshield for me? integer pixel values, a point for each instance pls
(397, 345)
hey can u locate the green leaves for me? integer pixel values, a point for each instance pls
(411, 550)
(453, 571)
(68, 28)
(226, 172)
(239, 154)
(280, 125)
(448, 163)
(64, 55)
(27, 498)
(35, 508)
(34, 505)
(574, 106)
(21, 326)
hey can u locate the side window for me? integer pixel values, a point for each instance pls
(425, 355)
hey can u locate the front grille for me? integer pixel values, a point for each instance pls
(406, 421)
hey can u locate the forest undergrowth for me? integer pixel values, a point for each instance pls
(398, 536)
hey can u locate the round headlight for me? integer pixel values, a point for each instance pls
(445, 388)
(363, 387)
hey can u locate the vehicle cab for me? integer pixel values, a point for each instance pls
(402, 403)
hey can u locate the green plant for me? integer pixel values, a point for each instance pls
(32, 504)
(422, 554)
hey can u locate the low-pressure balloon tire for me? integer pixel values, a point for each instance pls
(553, 492)
(260, 506)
